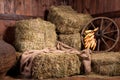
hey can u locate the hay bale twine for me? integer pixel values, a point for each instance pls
(107, 63)
(55, 65)
(34, 34)
(67, 20)
(72, 40)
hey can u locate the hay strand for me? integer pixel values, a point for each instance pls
(72, 40)
(34, 34)
(55, 65)
(106, 63)
(67, 20)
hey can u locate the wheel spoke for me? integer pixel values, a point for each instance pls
(110, 32)
(101, 24)
(108, 38)
(107, 26)
(105, 43)
(93, 25)
(98, 46)
(106, 35)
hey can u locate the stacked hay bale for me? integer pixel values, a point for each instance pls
(34, 34)
(72, 40)
(55, 65)
(107, 63)
(68, 24)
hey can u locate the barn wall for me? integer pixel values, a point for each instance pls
(99, 6)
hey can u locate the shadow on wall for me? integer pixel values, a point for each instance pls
(9, 35)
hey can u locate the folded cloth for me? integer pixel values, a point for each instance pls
(28, 56)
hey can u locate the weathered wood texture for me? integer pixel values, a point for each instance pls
(117, 47)
(38, 7)
(100, 6)
(26, 7)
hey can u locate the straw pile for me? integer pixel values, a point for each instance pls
(68, 23)
(106, 63)
(55, 65)
(67, 20)
(34, 34)
(72, 40)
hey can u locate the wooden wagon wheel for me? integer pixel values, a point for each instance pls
(107, 35)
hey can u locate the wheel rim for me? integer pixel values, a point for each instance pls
(107, 35)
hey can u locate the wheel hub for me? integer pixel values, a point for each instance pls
(99, 34)
(104, 36)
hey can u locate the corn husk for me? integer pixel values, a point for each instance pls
(67, 20)
(72, 40)
(55, 65)
(34, 34)
(106, 63)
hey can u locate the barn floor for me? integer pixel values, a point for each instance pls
(79, 77)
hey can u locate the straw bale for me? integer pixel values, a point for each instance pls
(34, 34)
(67, 20)
(107, 63)
(72, 40)
(55, 65)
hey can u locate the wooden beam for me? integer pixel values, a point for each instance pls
(113, 14)
(16, 17)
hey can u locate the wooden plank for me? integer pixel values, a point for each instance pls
(87, 6)
(117, 47)
(51, 2)
(57, 2)
(101, 6)
(2, 28)
(16, 17)
(74, 4)
(97, 7)
(9, 6)
(43, 5)
(116, 5)
(54, 2)
(105, 5)
(93, 6)
(19, 7)
(35, 7)
(28, 7)
(1, 6)
(110, 6)
(79, 6)
(113, 14)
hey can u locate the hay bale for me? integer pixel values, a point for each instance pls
(34, 34)
(106, 63)
(55, 65)
(72, 40)
(67, 20)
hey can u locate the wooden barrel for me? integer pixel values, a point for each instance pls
(7, 57)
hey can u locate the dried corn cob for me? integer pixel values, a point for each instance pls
(89, 39)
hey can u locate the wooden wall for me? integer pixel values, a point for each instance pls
(97, 6)
(26, 7)
(12, 10)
